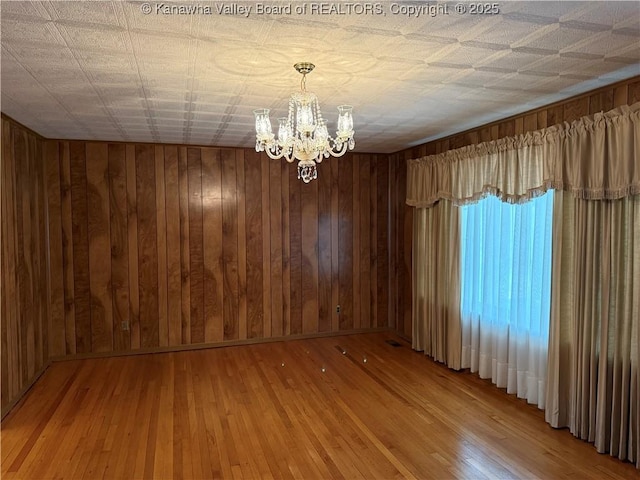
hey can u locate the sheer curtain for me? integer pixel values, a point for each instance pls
(506, 293)
(594, 380)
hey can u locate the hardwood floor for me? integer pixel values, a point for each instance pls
(270, 411)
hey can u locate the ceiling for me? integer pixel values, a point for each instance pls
(106, 71)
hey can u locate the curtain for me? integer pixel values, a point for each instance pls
(594, 378)
(436, 283)
(506, 293)
(595, 157)
(594, 164)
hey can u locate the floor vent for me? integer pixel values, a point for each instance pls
(393, 343)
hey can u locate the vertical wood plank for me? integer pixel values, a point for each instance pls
(355, 257)
(494, 132)
(456, 142)
(16, 308)
(335, 242)
(373, 239)
(242, 245)
(555, 115)
(276, 228)
(56, 272)
(620, 96)
(132, 240)
(518, 126)
(265, 178)
(400, 244)
(601, 102)
(383, 243)
(80, 246)
(27, 275)
(295, 258)
(119, 247)
(485, 134)
(471, 138)
(393, 244)
(309, 254)
(99, 236)
(407, 213)
(286, 251)
(42, 249)
(364, 250)
(6, 201)
(196, 254)
(148, 248)
(633, 93)
(183, 181)
(19, 263)
(576, 109)
(10, 384)
(324, 247)
(345, 239)
(542, 119)
(254, 244)
(67, 249)
(505, 129)
(530, 123)
(161, 221)
(230, 244)
(174, 272)
(213, 260)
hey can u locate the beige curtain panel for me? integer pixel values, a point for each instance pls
(565, 157)
(436, 283)
(593, 384)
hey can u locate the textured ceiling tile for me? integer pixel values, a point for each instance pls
(31, 31)
(84, 37)
(41, 55)
(560, 37)
(100, 13)
(33, 10)
(161, 24)
(507, 33)
(607, 45)
(114, 62)
(603, 13)
(113, 73)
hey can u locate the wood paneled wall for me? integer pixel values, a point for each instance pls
(401, 215)
(113, 247)
(23, 283)
(161, 246)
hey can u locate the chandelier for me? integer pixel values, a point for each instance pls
(303, 134)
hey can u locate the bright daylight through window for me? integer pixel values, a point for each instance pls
(506, 291)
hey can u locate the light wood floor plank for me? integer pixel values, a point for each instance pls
(270, 411)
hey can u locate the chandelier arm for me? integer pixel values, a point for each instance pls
(289, 157)
(275, 156)
(338, 153)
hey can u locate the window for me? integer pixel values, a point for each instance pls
(506, 292)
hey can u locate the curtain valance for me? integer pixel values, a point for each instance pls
(595, 157)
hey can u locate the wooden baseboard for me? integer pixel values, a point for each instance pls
(230, 343)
